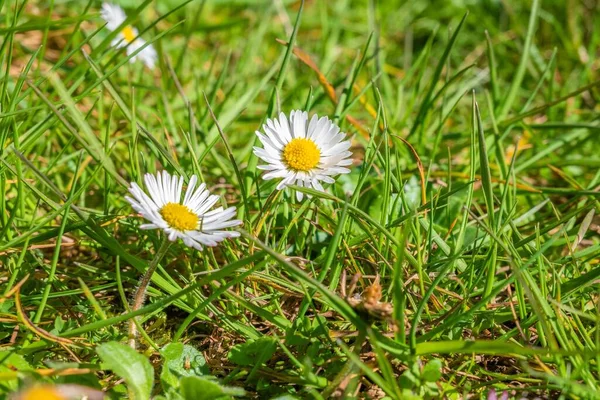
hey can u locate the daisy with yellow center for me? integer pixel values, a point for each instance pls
(45, 392)
(188, 219)
(58, 392)
(301, 152)
(128, 36)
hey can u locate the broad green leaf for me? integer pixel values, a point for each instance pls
(252, 351)
(409, 395)
(181, 360)
(11, 365)
(408, 380)
(200, 388)
(129, 365)
(432, 372)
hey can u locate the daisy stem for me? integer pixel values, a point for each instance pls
(140, 293)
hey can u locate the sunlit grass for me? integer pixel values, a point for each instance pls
(459, 255)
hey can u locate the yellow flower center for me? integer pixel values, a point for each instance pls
(128, 34)
(179, 217)
(42, 392)
(301, 154)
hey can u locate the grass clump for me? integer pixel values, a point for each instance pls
(457, 257)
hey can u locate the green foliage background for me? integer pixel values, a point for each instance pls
(487, 255)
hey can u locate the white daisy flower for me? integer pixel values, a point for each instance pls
(189, 219)
(303, 153)
(128, 37)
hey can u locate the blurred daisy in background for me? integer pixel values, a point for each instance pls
(57, 392)
(128, 36)
(188, 219)
(301, 152)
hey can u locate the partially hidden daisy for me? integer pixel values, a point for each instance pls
(57, 392)
(301, 152)
(189, 218)
(128, 37)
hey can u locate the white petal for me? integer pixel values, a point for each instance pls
(345, 163)
(267, 152)
(338, 148)
(149, 226)
(206, 205)
(316, 185)
(299, 124)
(179, 189)
(336, 170)
(221, 225)
(281, 173)
(118, 41)
(276, 138)
(145, 202)
(282, 184)
(321, 126)
(198, 197)
(190, 189)
(312, 126)
(265, 156)
(113, 15)
(266, 140)
(154, 189)
(270, 167)
(283, 127)
(148, 55)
